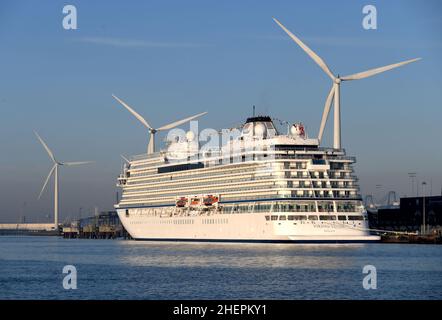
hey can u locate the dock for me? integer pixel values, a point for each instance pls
(105, 225)
(435, 238)
(35, 229)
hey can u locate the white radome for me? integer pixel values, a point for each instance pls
(294, 130)
(260, 130)
(246, 129)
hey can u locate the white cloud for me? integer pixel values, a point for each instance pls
(118, 42)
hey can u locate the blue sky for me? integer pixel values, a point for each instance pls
(170, 59)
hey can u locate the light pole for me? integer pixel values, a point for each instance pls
(424, 229)
(412, 175)
(378, 193)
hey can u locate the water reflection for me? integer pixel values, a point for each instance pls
(237, 255)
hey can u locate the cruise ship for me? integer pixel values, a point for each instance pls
(261, 186)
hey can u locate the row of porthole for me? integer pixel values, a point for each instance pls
(315, 217)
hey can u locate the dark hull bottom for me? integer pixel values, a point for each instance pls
(255, 241)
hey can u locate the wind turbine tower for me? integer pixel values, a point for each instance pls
(54, 170)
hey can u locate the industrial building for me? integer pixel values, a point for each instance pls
(409, 216)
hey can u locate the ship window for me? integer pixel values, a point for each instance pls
(300, 217)
(342, 218)
(274, 218)
(267, 218)
(181, 167)
(355, 218)
(127, 213)
(313, 217)
(318, 161)
(291, 217)
(282, 218)
(327, 217)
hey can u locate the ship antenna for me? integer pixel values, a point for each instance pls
(253, 110)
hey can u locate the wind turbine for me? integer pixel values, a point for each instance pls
(54, 170)
(336, 87)
(153, 131)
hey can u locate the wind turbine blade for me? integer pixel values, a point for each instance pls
(372, 72)
(137, 115)
(51, 155)
(124, 158)
(309, 51)
(177, 123)
(77, 163)
(326, 112)
(46, 181)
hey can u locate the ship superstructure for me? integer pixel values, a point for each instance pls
(260, 186)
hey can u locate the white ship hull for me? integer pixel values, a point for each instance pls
(242, 227)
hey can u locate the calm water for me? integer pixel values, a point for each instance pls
(31, 268)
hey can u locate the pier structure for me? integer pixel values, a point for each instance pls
(28, 228)
(105, 225)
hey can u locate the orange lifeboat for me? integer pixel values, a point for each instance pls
(210, 200)
(181, 202)
(195, 201)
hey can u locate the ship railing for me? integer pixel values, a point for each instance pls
(143, 156)
(308, 156)
(335, 153)
(350, 158)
